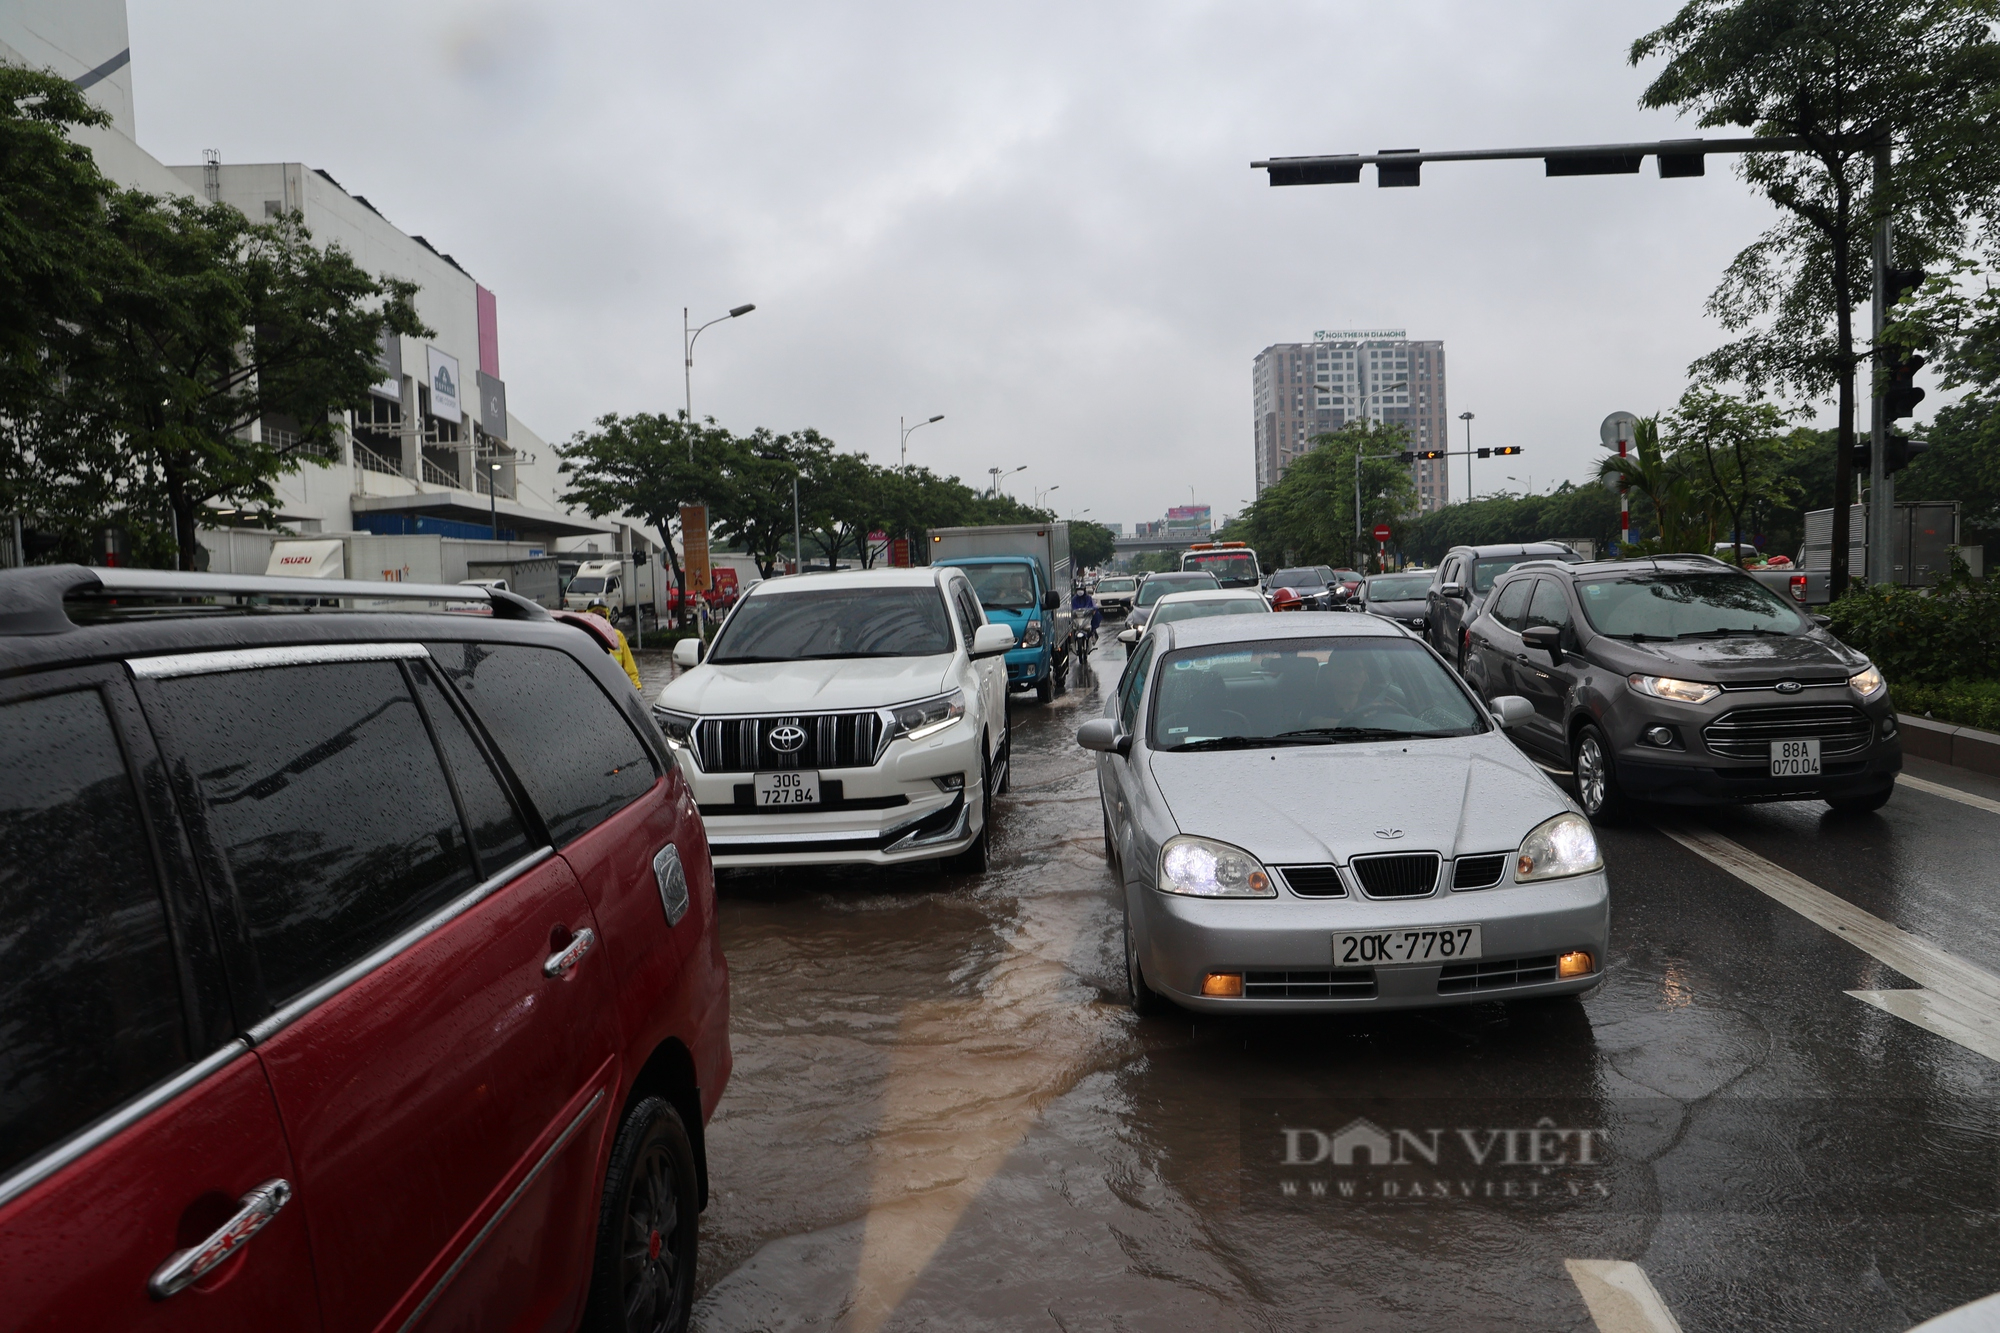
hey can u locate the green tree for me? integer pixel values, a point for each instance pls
(1666, 486)
(754, 505)
(649, 464)
(1091, 544)
(1733, 450)
(1308, 518)
(1916, 78)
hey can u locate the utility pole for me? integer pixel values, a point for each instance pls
(1466, 417)
(1881, 480)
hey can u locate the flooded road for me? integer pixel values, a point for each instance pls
(1778, 1112)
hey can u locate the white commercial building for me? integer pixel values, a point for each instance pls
(434, 450)
(1300, 390)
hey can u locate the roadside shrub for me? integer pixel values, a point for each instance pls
(1931, 636)
(1962, 703)
(663, 638)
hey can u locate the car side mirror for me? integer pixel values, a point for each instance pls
(1823, 621)
(1451, 590)
(1102, 735)
(1511, 709)
(1051, 600)
(1128, 636)
(992, 640)
(687, 653)
(1548, 638)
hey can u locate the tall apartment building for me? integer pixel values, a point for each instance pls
(1303, 389)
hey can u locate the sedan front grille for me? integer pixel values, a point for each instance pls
(831, 740)
(1314, 881)
(1351, 984)
(1495, 974)
(1747, 733)
(1478, 872)
(1404, 875)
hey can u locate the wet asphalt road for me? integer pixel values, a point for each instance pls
(943, 1116)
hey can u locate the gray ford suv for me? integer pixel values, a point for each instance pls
(1683, 680)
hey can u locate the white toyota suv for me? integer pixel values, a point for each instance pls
(845, 717)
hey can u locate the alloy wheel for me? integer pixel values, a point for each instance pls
(652, 1214)
(1590, 775)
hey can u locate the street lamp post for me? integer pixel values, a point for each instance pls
(906, 435)
(687, 360)
(493, 500)
(997, 473)
(1041, 495)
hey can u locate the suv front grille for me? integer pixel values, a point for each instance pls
(1313, 881)
(1405, 875)
(1351, 984)
(1456, 978)
(1747, 733)
(1478, 872)
(832, 740)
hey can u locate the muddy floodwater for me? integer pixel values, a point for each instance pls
(943, 1116)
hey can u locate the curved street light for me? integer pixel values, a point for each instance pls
(687, 358)
(906, 435)
(997, 473)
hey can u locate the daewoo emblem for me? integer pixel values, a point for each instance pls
(786, 739)
(1788, 687)
(1388, 833)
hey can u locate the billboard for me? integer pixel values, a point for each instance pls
(694, 547)
(444, 386)
(492, 405)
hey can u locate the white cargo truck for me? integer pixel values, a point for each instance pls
(625, 585)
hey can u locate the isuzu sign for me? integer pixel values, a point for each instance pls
(321, 559)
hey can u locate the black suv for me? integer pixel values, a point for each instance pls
(1464, 578)
(1684, 680)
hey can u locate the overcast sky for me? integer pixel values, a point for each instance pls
(1038, 219)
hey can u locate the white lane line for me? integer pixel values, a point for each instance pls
(1620, 1298)
(1960, 1001)
(1949, 793)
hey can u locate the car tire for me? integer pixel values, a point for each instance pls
(1007, 764)
(1045, 688)
(1597, 788)
(1110, 847)
(972, 861)
(1862, 805)
(648, 1227)
(1060, 674)
(1145, 1001)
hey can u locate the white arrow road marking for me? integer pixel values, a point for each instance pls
(1959, 1000)
(1949, 793)
(1620, 1298)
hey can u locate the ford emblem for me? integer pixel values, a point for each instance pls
(1388, 833)
(786, 739)
(1788, 687)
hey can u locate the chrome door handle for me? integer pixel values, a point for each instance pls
(184, 1268)
(570, 954)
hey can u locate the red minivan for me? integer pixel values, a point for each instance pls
(358, 967)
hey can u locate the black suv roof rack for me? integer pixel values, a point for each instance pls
(31, 600)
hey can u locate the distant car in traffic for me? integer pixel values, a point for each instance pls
(1114, 593)
(857, 717)
(1198, 604)
(1312, 583)
(1234, 564)
(1682, 680)
(1155, 586)
(1459, 589)
(1310, 812)
(1402, 598)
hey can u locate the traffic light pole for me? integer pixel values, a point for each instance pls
(1881, 477)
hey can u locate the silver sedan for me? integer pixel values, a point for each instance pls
(1313, 812)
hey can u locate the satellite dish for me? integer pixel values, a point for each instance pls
(1618, 426)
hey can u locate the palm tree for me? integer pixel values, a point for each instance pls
(1651, 472)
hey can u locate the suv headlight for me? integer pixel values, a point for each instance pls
(1031, 637)
(918, 720)
(1867, 681)
(1680, 691)
(1557, 849)
(678, 726)
(1204, 868)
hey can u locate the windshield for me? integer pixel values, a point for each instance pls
(1223, 564)
(1193, 609)
(1399, 588)
(835, 622)
(1485, 571)
(1306, 692)
(1002, 587)
(1682, 606)
(1298, 578)
(1346, 576)
(1117, 585)
(1156, 588)
(588, 583)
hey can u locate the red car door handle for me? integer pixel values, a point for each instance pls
(570, 954)
(184, 1268)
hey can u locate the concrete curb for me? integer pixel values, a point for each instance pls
(1963, 747)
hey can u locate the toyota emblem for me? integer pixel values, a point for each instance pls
(786, 739)
(1788, 687)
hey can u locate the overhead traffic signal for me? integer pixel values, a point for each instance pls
(1901, 451)
(1430, 453)
(1900, 395)
(1508, 451)
(1898, 283)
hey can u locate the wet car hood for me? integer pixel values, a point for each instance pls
(1310, 804)
(767, 688)
(1813, 656)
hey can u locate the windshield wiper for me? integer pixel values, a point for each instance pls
(1249, 742)
(1351, 733)
(1724, 633)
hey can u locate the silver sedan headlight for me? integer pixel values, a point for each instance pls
(1204, 868)
(1557, 849)
(679, 727)
(918, 720)
(1866, 681)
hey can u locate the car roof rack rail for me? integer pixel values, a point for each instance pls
(32, 600)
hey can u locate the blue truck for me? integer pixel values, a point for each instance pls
(1021, 572)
